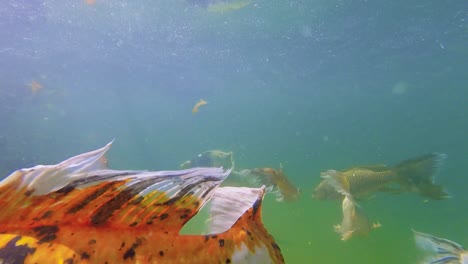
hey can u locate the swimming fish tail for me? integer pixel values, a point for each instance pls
(236, 214)
(417, 175)
(440, 250)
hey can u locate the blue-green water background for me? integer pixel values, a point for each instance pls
(315, 85)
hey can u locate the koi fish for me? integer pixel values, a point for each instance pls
(198, 104)
(80, 211)
(277, 182)
(35, 86)
(440, 250)
(413, 175)
(223, 6)
(210, 158)
(355, 222)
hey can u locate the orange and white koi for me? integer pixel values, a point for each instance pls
(35, 86)
(80, 211)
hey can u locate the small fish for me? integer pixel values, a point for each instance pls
(210, 158)
(224, 6)
(79, 211)
(413, 175)
(440, 250)
(35, 86)
(275, 180)
(441, 45)
(198, 104)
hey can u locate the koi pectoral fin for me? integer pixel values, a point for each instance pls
(237, 217)
(229, 204)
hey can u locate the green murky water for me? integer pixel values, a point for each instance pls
(314, 85)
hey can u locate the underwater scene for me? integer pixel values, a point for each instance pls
(233, 131)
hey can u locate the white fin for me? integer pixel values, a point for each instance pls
(439, 250)
(42, 179)
(439, 159)
(332, 177)
(229, 204)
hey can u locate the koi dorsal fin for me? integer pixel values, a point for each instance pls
(43, 179)
(375, 167)
(229, 204)
(76, 192)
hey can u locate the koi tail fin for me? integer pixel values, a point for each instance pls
(236, 215)
(417, 175)
(440, 250)
(338, 182)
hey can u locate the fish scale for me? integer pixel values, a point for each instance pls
(365, 181)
